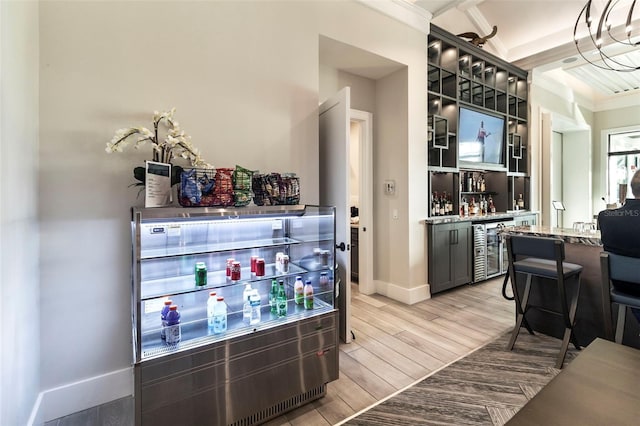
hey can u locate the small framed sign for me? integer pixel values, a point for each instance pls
(157, 184)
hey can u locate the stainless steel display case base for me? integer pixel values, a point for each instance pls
(241, 381)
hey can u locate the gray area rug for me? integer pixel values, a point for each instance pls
(487, 387)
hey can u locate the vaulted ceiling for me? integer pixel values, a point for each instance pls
(538, 35)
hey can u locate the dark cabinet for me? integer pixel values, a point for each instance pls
(354, 253)
(449, 255)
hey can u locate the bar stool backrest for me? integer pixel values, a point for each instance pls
(624, 268)
(540, 247)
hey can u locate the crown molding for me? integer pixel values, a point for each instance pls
(402, 11)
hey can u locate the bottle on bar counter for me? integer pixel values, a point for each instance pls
(520, 202)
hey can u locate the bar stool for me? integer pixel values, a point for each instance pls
(543, 257)
(620, 274)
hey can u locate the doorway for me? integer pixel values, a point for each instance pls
(361, 199)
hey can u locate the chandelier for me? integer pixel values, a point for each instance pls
(605, 35)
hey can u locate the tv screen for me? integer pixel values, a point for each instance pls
(480, 137)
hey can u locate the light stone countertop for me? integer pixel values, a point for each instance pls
(589, 238)
(478, 218)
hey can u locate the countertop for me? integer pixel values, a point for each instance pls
(478, 218)
(589, 238)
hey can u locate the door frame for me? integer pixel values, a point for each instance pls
(366, 284)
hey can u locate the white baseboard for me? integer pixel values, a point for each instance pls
(73, 397)
(408, 296)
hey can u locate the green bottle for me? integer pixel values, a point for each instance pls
(282, 300)
(273, 296)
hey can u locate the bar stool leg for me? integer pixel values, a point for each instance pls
(521, 308)
(622, 312)
(569, 320)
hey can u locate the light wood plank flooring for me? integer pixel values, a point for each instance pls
(396, 345)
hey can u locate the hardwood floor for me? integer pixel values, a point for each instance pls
(396, 345)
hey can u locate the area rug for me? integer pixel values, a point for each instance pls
(486, 387)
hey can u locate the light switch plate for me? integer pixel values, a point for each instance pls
(389, 187)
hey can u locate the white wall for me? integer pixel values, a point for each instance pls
(244, 79)
(19, 259)
(576, 177)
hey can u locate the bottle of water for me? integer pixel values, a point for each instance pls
(173, 332)
(273, 296)
(220, 316)
(246, 305)
(308, 295)
(163, 319)
(282, 300)
(254, 301)
(211, 305)
(298, 291)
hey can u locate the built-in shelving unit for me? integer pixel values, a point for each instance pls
(463, 75)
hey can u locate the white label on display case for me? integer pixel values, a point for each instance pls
(155, 305)
(173, 231)
(276, 224)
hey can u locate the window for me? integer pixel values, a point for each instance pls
(624, 160)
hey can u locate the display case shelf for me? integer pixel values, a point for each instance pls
(169, 287)
(196, 333)
(196, 249)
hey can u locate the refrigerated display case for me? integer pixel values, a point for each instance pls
(251, 372)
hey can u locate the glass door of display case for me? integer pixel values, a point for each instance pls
(170, 243)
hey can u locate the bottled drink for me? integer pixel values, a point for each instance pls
(220, 316)
(254, 302)
(211, 306)
(273, 296)
(298, 291)
(173, 332)
(442, 205)
(246, 304)
(324, 280)
(492, 208)
(520, 202)
(483, 186)
(282, 300)
(435, 207)
(201, 273)
(163, 319)
(254, 260)
(308, 295)
(235, 271)
(229, 266)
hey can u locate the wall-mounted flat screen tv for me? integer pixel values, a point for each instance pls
(480, 137)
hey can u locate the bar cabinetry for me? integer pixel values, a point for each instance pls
(252, 371)
(452, 266)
